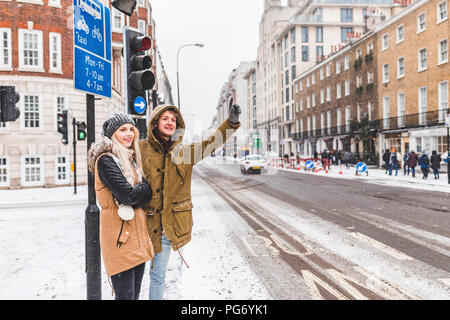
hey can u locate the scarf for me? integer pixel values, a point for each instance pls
(166, 144)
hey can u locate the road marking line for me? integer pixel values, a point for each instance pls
(247, 246)
(385, 288)
(343, 280)
(389, 250)
(311, 280)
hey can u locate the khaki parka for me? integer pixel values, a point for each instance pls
(169, 176)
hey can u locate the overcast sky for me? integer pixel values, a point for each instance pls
(229, 31)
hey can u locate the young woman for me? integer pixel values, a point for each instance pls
(121, 192)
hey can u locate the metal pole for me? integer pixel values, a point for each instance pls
(448, 154)
(92, 214)
(74, 121)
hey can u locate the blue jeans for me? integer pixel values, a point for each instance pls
(158, 267)
(393, 166)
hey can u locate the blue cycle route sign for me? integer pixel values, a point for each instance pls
(140, 105)
(92, 47)
(361, 167)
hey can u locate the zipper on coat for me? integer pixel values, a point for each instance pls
(119, 244)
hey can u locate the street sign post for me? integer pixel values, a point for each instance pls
(92, 47)
(92, 75)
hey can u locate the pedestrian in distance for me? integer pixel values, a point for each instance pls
(347, 156)
(405, 163)
(393, 162)
(170, 163)
(424, 163)
(412, 163)
(315, 155)
(386, 159)
(435, 161)
(121, 191)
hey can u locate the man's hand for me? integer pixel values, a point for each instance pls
(234, 111)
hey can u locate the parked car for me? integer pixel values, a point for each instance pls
(253, 163)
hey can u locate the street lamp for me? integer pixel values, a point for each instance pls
(201, 45)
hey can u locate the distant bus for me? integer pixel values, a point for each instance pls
(90, 7)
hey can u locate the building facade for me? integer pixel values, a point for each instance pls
(414, 79)
(36, 45)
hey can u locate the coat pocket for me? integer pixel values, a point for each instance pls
(182, 216)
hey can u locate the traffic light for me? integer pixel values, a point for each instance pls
(139, 78)
(8, 99)
(125, 6)
(81, 131)
(62, 126)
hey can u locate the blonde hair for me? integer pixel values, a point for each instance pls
(127, 155)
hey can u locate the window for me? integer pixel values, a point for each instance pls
(286, 59)
(358, 112)
(254, 100)
(5, 47)
(358, 53)
(118, 20)
(287, 95)
(401, 109)
(328, 70)
(30, 50)
(307, 82)
(317, 14)
(313, 100)
(286, 41)
(313, 78)
(443, 51)
(301, 85)
(347, 87)
(386, 112)
(370, 47)
(419, 144)
(338, 67)
(400, 67)
(305, 53)
(293, 54)
(305, 34)
(345, 34)
(308, 102)
(400, 34)
(338, 91)
(319, 34)
(55, 52)
(322, 96)
(32, 170)
(4, 172)
(328, 93)
(421, 22)
(287, 113)
(347, 118)
(385, 73)
(442, 99)
(442, 11)
(141, 3)
(422, 59)
(369, 77)
(286, 75)
(54, 3)
(62, 172)
(442, 145)
(359, 81)
(369, 110)
(385, 42)
(321, 74)
(339, 120)
(293, 72)
(346, 62)
(293, 35)
(319, 53)
(346, 15)
(322, 123)
(31, 111)
(423, 105)
(142, 26)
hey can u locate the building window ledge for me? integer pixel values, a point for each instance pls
(24, 69)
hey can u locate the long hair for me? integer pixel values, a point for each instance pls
(127, 155)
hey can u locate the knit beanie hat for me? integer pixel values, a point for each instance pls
(115, 122)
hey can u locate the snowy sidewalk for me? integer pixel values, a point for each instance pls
(43, 250)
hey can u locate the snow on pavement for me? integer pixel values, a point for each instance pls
(43, 253)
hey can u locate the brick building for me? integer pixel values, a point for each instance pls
(36, 56)
(414, 78)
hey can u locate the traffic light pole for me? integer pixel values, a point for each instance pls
(74, 122)
(92, 215)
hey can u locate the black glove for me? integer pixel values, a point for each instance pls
(234, 112)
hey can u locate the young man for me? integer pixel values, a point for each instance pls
(168, 165)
